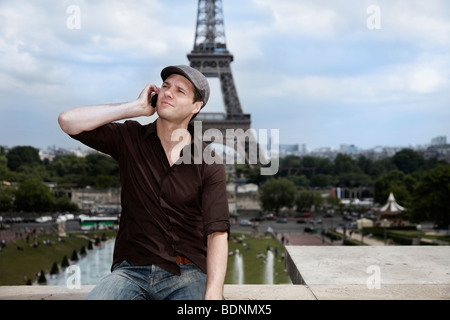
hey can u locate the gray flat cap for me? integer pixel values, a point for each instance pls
(193, 75)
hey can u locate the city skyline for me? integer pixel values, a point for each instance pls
(325, 73)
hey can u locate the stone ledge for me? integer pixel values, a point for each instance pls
(377, 272)
(385, 292)
(231, 292)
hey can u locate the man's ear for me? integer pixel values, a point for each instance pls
(197, 107)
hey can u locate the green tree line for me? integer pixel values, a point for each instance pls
(24, 178)
(420, 185)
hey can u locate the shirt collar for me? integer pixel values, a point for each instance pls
(150, 130)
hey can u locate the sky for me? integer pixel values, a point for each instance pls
(322, 72)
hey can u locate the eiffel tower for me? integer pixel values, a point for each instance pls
(211, 57)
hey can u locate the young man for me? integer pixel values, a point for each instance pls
(173, 235)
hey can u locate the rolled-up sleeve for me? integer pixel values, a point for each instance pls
(104, 139)
(216, 217)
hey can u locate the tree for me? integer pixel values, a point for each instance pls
(42, 279)
(432, 197)
(63, 204)
(353, 179)
(345, 164)
(65, 262)
(22, 155)
(307, 199)
(103, 181)
(408, 161)
(54, 269)
(278, 193)
(322, 180)
(402, 185)
(34, 196)
(83, 251)
(74, 256)
(6, 199)
(69, 169)
(3, 168)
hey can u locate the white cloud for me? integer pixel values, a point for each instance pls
(403, 82)
(305, 18)
(424, 22)
(306, 57)
(426, 80)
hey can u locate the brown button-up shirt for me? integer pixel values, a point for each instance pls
(166, 210)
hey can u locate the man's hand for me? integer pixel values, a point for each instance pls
(145, 99)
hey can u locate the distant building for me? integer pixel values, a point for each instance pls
(439, 141)
(440, 152)
(348, 149)
(97, 200)
(288, 149)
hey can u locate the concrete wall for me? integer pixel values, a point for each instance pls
(371, 272)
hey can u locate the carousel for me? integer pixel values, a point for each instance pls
(390, 211)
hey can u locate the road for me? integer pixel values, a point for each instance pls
(290, 227)
(293, 227)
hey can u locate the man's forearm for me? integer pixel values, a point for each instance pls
(217, 258)
(88, 118)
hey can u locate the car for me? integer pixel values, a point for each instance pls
(352, 226)
(301, 221)
(347, 217)
(310, 229)
(44, 219)
(303, 215)
(329, 214)
(234, 215)
(245, 223)
(282, 220)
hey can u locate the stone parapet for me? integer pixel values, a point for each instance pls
(371, 272)
(231, 292)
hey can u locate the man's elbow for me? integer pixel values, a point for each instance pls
(65, 123)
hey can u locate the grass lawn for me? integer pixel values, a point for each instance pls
(254, 265)
(16, 264)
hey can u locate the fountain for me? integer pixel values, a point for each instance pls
(238, 268)
(92, 267)
(268, 272)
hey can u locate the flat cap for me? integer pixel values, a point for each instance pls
(197, 78)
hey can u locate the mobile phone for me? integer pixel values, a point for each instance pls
(154, 99)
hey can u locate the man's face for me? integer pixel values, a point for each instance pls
(175, 99)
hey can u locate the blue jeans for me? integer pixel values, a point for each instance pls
(127, 282)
